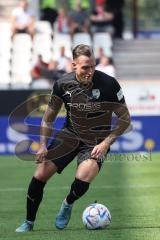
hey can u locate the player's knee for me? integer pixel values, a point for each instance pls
(83, 177)
(41, 175)
(87, 170)
(44, 171)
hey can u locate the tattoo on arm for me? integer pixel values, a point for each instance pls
(123, 124)
(50, 114)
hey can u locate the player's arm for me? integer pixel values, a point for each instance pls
(47, 126)
(123, 123)
(121, 126)
(121, 111)
(47, 121)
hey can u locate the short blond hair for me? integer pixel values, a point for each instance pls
(82, 49)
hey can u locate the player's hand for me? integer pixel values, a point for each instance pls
(100, 150)
(41, 154)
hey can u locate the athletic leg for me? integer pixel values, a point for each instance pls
(35, 193)
(85, 173)
(58, 157)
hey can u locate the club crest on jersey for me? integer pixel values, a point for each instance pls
(96, 93)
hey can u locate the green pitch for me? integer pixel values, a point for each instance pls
(130, 188)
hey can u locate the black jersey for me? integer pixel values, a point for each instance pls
(89, 106)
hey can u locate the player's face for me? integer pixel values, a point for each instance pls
(84, 67)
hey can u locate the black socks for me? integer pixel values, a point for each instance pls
(34, 197)
(78, 189)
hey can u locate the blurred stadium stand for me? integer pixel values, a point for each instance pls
(6, 7)
(60, 40)
(137, 59)
(18, 55)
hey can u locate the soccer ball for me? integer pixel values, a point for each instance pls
(96, 216)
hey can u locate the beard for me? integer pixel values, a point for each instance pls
(85, 78)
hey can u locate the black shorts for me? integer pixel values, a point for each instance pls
(66, 146)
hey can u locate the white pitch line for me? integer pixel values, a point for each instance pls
(93, 187)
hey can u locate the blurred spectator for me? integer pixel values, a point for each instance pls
(100, 54)
(35, 72)
(69, 66)
(48, 11)
(116, 6)
(62, 23)
(39, 81)
(101, 20)
(85, 4)
(78, 19)
(52, 73)
(106, 66)
(43, 74)
(23, 19)
(62, 60)
(101, 2)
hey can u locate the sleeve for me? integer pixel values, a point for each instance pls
(117, 92)
(56, 91)
(56, 94)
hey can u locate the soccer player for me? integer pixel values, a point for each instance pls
(90, 98)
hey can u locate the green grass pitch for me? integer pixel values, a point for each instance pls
(130, 188)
